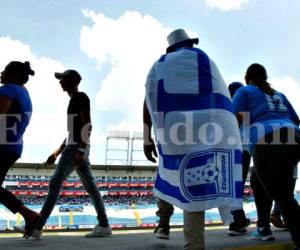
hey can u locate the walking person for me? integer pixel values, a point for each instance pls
(276, 213)
(187, 103)
(74, 156)
(15, 113)
(164, 212)
(274, 137)
(240, 222)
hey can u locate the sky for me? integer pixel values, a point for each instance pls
(113, 43)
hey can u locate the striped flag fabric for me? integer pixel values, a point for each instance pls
(196, 133)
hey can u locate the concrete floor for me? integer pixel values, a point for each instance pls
(216, 238)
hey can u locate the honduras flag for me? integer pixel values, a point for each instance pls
(196, 133)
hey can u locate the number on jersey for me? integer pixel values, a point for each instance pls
(275, 103)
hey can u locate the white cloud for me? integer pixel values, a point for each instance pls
(226, 5)
(130, 45)
(48, 124)
(290, 88)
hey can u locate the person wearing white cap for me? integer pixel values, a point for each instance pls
(185, 94)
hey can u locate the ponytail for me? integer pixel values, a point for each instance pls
(256, 75)
(28, 69)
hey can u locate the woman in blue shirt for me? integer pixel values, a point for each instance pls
(15, 112)
(274, 144)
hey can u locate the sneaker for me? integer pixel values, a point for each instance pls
(277, 221)
(36, 234)
(99, 231)
(237, 228)
(264, 234)
(162, 232)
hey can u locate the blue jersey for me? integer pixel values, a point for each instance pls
(17, 118)
(266, 113)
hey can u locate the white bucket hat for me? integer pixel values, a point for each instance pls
(176, 37)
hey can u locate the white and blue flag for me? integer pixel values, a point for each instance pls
(196, 132)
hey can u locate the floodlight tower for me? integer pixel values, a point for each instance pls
(137, 149)
(115, 151)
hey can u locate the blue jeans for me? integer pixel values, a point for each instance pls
(64, 168)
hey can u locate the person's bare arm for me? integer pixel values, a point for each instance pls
(52, 158)
(239, 117)
(5, 103)
(85, 116)
(149, 146)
